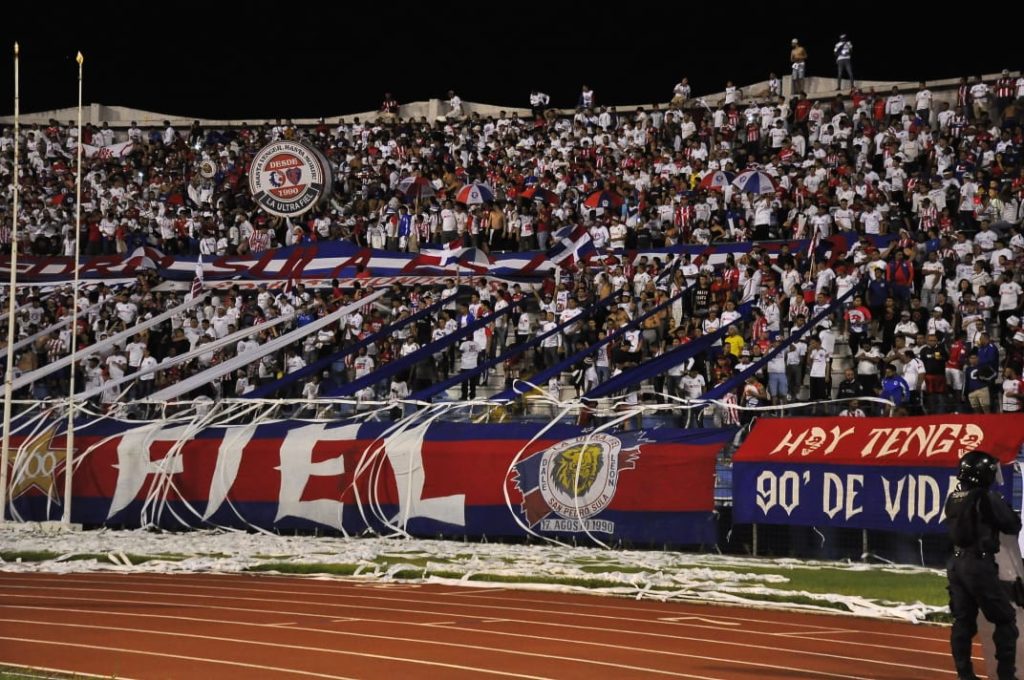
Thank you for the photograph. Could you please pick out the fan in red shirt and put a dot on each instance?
(719, 290)
(759, 328)
(802, 108)
(901, 275)
(878, 109)
(731, 275)
(857, 317)
(955, 366)
(856, 97)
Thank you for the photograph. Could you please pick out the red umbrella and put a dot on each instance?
(416, 188)
(603, 199)
(539, 193)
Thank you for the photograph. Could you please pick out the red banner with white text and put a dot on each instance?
(868, 473)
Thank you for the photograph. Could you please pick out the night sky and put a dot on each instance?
(259, 61)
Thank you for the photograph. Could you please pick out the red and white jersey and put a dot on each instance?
(259, 240)
(1005, 87)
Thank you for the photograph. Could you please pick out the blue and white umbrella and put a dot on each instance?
(475, 194)
(754, 182)
(719, 179)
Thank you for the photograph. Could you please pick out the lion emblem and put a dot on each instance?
(576, 469)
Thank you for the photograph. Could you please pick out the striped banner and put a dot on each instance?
(342, 260)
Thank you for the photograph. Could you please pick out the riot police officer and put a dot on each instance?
(975, 516)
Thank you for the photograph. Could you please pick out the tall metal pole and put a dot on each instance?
(69, 453)
(5, 453)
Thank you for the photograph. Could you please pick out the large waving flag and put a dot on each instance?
(112, 151)
(197, 282)
(571, 246)
(473, 259)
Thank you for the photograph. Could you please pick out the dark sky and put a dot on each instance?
(258, 61)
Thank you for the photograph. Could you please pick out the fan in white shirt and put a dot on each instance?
(126, 311)
(1009, 294)
(135, 353)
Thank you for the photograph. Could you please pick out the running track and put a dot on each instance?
(242, 626)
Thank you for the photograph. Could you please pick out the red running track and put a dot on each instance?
(249, 626)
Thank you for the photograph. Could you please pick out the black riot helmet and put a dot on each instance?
(978, 469)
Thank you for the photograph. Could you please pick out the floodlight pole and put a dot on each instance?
(69, 438)
(5, 452)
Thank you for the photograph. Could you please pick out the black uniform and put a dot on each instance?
(850, 389)
(975, 517)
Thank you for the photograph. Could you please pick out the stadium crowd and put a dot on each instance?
(935, 325)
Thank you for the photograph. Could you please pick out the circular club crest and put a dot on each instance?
(207, 169)
(578, 477)
(287, 178)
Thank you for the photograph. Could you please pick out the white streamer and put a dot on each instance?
(199, 379)
(46, 370)
(187, 356)
(55, 327)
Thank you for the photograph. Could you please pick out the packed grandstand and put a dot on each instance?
(770, 321)
(862, 247)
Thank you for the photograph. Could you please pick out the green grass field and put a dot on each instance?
(909, 593)
(800, 585)
(16, 673)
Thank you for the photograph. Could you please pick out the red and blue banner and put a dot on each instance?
(891, 474)
(425, 478)
(327, 260)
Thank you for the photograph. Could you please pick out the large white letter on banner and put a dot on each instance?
(134, 464)
(229, 457)
(405, 453)
(297, 467)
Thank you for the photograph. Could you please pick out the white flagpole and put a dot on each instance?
(69, 453)
(1020, 538)
(9, 375)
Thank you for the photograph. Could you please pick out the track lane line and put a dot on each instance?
(391, 599)
(345, 652)
(292, 580)
(529, 623)
(120, 650)
(435, 613)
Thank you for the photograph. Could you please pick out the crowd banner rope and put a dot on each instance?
(271, 388)
(233, 364)
(171, 362)
(542, 377)
(737, 380)
(117, 338)
(659, 364)
(408, 361)
(512, 350)
(25, 342)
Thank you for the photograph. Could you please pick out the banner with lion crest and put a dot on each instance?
(425, 478)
